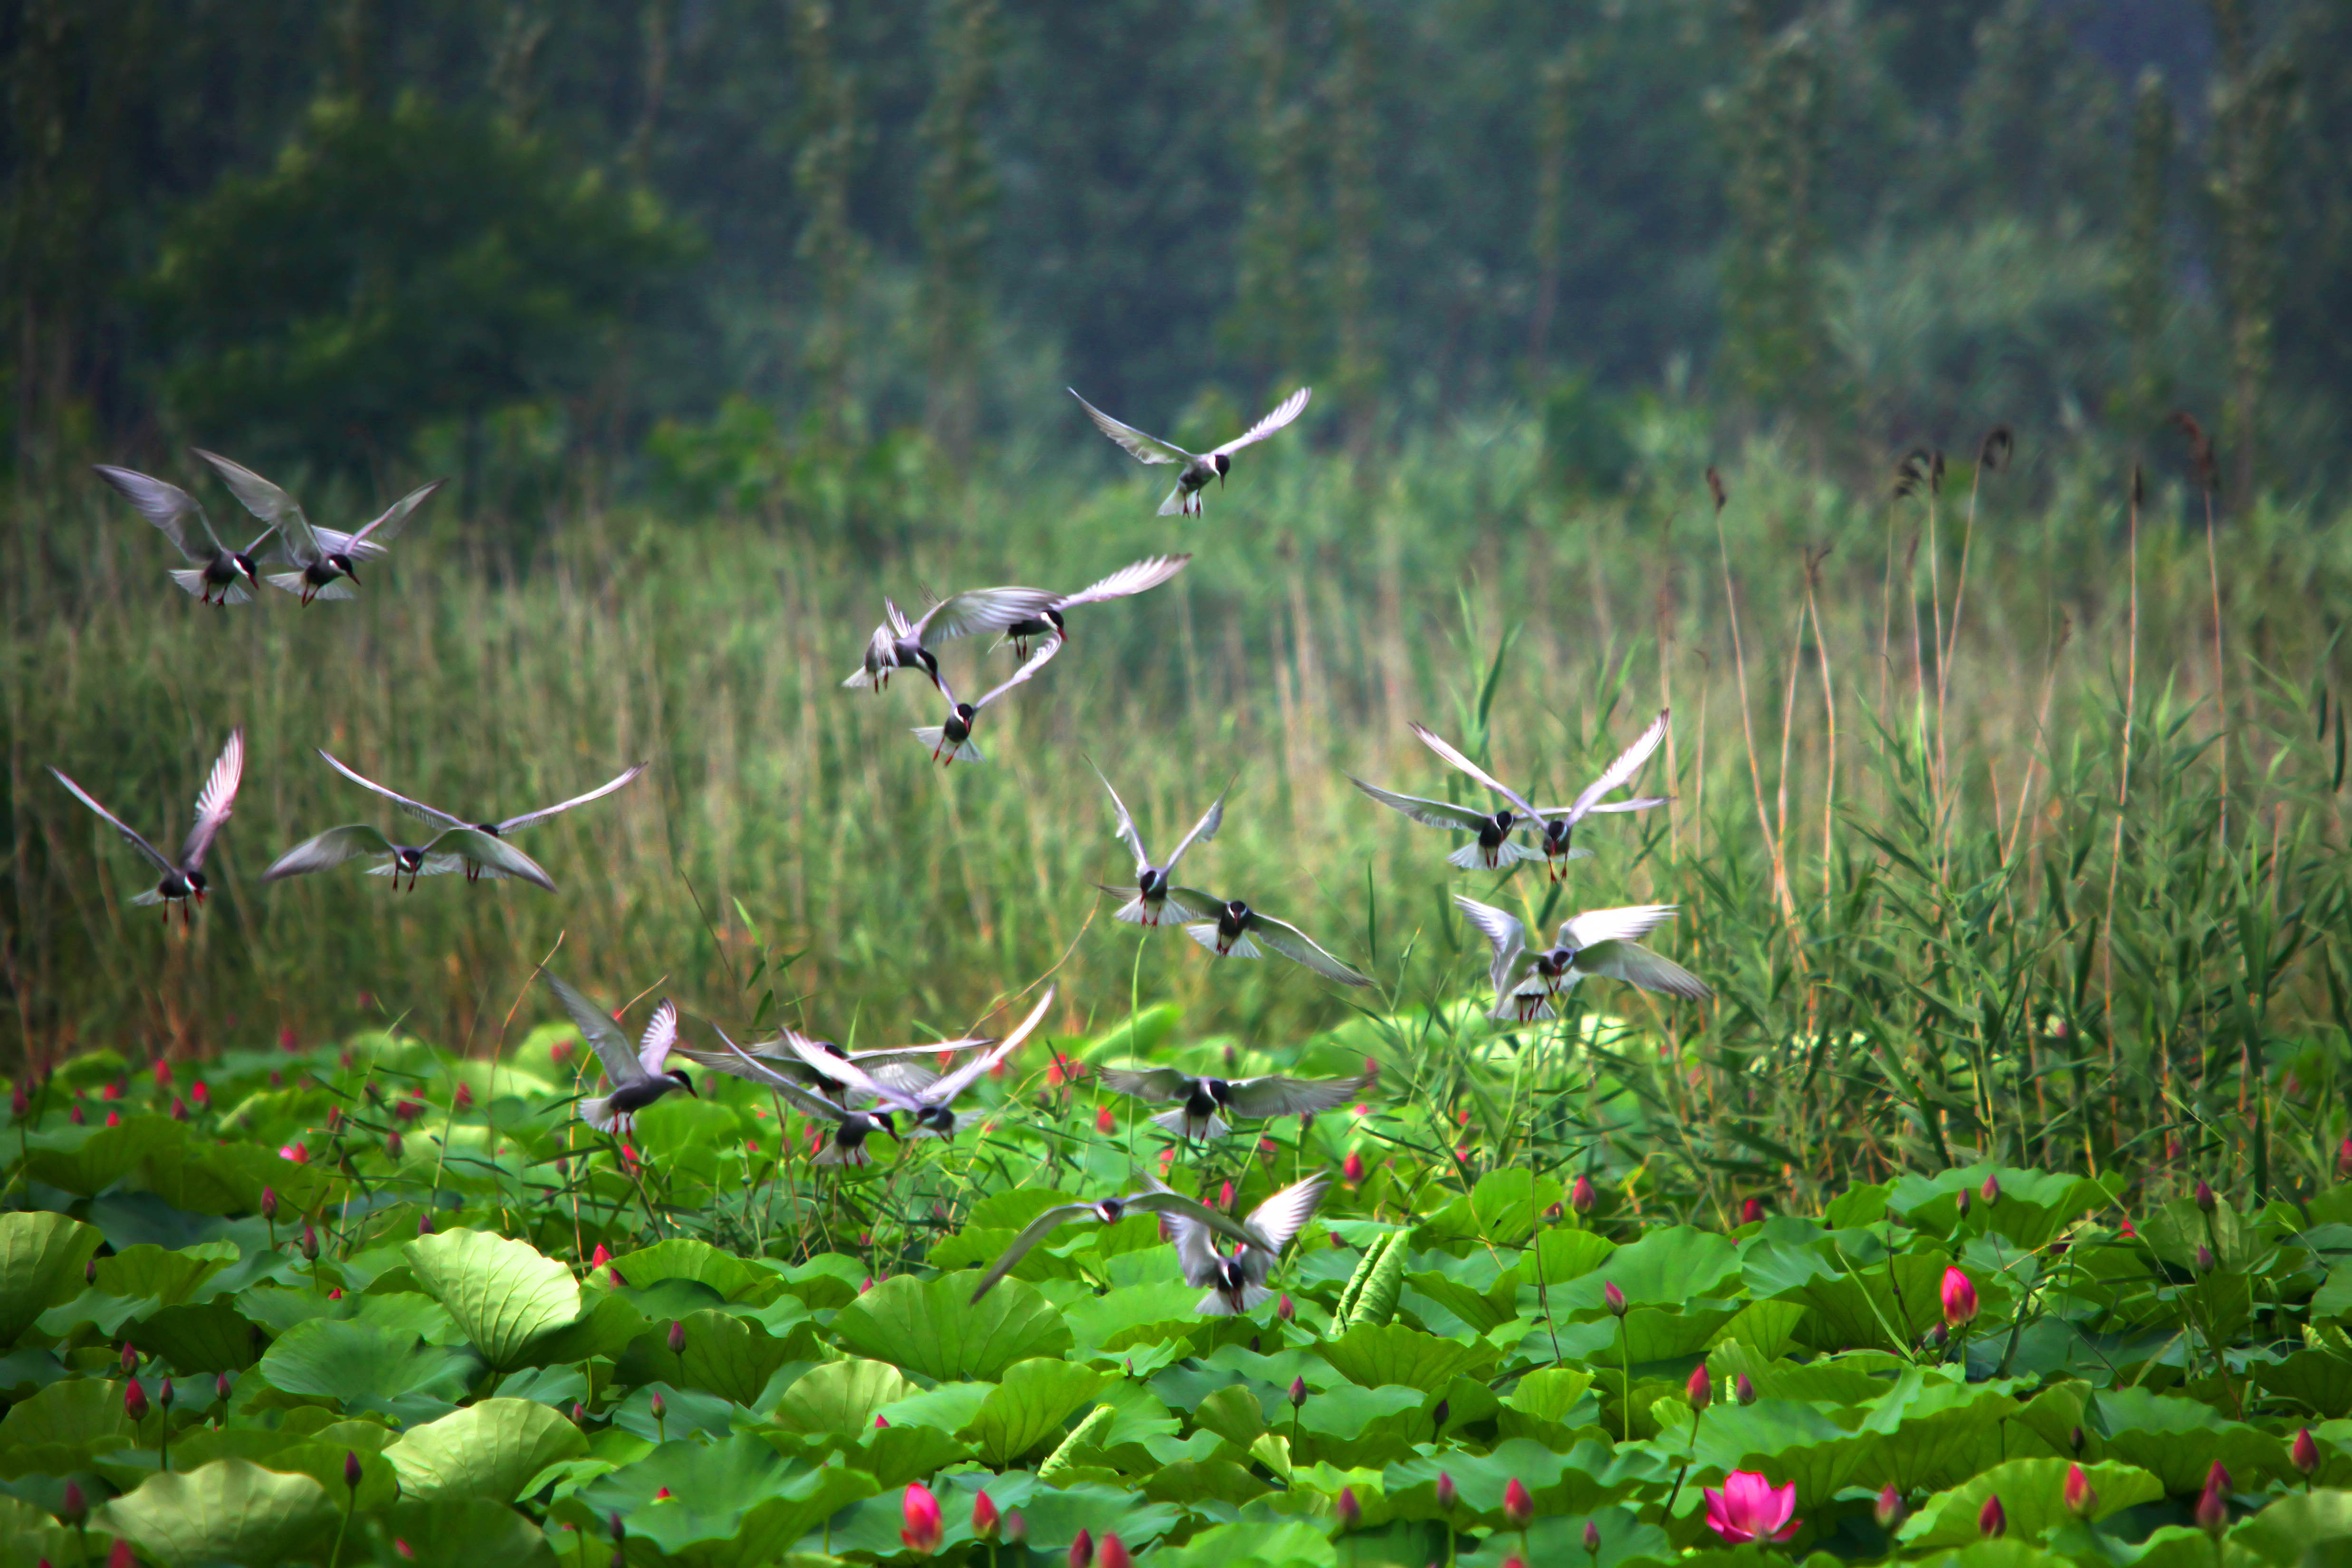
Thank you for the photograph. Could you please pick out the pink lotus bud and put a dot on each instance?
(1700, 1388)
(111, 1091)
(1960, 1199)
(2217, 1478)
(1743, 1390)
(1991, 1520)
(1581, 1198)
(1017, 1529)
(620, 1532)
(179, 1109)
(677, 1337)
(1990, 1191)
(2212, 1513)
(1446, 1490)
(1114, 1552)
(2205, 1198)
(1284, 1309)
(201, 1094)
(134, 1401)
(309, 1243)
(1515, 1561)
(163, 1395)
(662, 1496)
(1298, 1391)
(73, 1505)
(1106, 1122)
(1888, 1509)
(2080, 1497)
(1751, 1210)
(984, 1520)
(465, 1096)
(1518, 1509)
(222, 1388)
(2305, 1453)
(120, 1554)
(658, 1407)
(579, 1414)
(74, 1115)
(130, 1358)
(1612, 1298)
(1593, 1538)
(2204, 1259)
(1960, 1298)
(600, 1257)
(2075, 1440)
(880, 1423)
(425, 1226)
(1351, 1169)
(393, 1145)
(1082, 1551)
(922, 1534)
(1346, 1509)
(2344, 1158)
(1226, 1197)
(351, 1469)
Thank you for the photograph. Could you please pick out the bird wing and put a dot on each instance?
(1507, 936)
(1161, 1200)
(213, 805)
(533, 818)
(1199, 905)
(603, 1035)
(1195, 1253)
(1637, 966)
(370, 540)
(164, 504)
(1295, 946)
(1036, 1231)
(952, 1084)
(1036, 662)
(267, 545)
(1133, 579)
(267, 502)
(1617, 775)
(1142, 447)
(1640, 802)
(1259, 1097)
(1596, 926)
(745, 1066)
(163, 863)
(1290, 408)
(1145, 1083)
(972, 1043)
(1429, 812)
(1126, 825)
(849, 1075)
(1447, 750)
(415, 809)
(661, 1034)
(1285, 1214)
(325, 851)
(492, 854)
(978, 610)
(1203, 830)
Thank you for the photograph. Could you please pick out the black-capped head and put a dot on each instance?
(1236, 911)
(247, 568)
(929, 662)
(882, 1122)
(937, 1119)
(1230, 1278)
(1503, 819)
(196, 885)
(967, 712)
(1054, 619)
(1110, 1210)
(1557, 833)
(829, 1048)
(1219, 1090)
(1225, 465)
(677, 1076)
(1153, 882)
(344, 564)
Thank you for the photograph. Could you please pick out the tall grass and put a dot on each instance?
(1894, 833)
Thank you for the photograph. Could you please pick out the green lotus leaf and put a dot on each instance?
(841, 1396)
(1769, 1328)
(682, 1257)
(897, 1454)
(1479, 1311)
(734, 1503)
(1374, 1356)
(30, 1535)
(41, 1260)
(86, 1161)
(1791, 1441)
(502, 1292)
(932, 1328)
(231, 1510)
(2316, 1380)
(725, 1354)
(2293, 1528)
(1858, 1308)
(337, 1359)
(1095, 1320)
(1560, 1255)
(2180, 1440)
(486, 1450)
(324, 1463)
(1548, 1394)
(1933, 1431)
(2033, 1494)
(1577, 1480)
(78, 1413)
(1667, 1266)
(250, 1169)
(1234, 1414)
(1033, 1401)
(1643, 1335)
(468, 1532)
(603, 1329)
(1624, 1539)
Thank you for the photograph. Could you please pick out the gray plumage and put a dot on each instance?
(453, 850)
(1225, 926)
(1197, 469)
(1155, 1199)
(215, 573)
(1598, 942)
(1207, 1101)
(1146, 901)
(325, 560)
(637, 1074)
(182, 877)
(1237, 1284)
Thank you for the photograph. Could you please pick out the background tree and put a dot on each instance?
(959, 192)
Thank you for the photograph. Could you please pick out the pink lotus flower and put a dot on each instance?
(1992, 1518)
(1351, 1169)
(1518, 1507)
(1960, 1298)
(1749, 1507)
(294, 1151)
(2080, 1497)
(922, 1535)
(1581, 1198)
(983, 1517)
(1114, 1552)
(1105, 1122)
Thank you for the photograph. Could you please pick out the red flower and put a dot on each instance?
(1581, 1198)
(1226, 1197)
(294, 1151)
(1105, 1122)
(1751, 1210)
(465, 1096)
(1352, 1168)
(1992, 1518)
(1082, 1551)
(163, 1074)
(983, 1517)
(922, 1534)
(114, 1119)
(1113, 1553)
(2079, 1497)
(1518, 1507)
(1700, 1388)
(201, 1094)
(134, 1401)
(111, 1091)
(1749, 1507)
(1959, 1299)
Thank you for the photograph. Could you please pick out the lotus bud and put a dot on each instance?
(163, 1395)
(1298, 1391)
(1346, 1509)
(425, 1223)
(620, 1532)
(880, 1423)
(309, 1243)
(179, 1109)
(1593, 1538)
(1226, 1197)
(1700, 1388)
(1351, 1169)
(2205, 1259)
(1991, 1520)
(922, 1534)
(120, 1554)
(221, 1388)
(2079, 1496)
(1580, 1196)
(1612, 1298)
(268, 1203)
(392, 1144)
(1751, 1210)
(351, 1469)
(2217, 1478)
(579, 1414)
(1082, 1550)
(202, 1094)
(1959, 1299)
(1284, 1309)
(114, 1119)
(2305, 1453)
(2212, 1513)
(2344, 1158)
(2077, 1438)
(677, 1337)
(1554, 1215)
(277, 1079)
(1990, 1191)
(74, 1115)
(1939, 1336)
(1743, 1390)
(114, 1091)
(1888, 1509)
(662, 1496)
(658, 1407)
(984, 1520)
(465, 1096)
(1518, 1507)
(1232, 1058)
(1114, 1552)
(1515, 1561)
(130, 1357)
(18, 1104)
(134, 1401)
(1438, 1416)
(73, 1505)
(1017, 1529)
(2205, 1199)
(1447, 1492)
(1961, 1200)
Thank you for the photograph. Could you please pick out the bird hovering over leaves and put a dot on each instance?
(901, 644)
(929, 1108)
(1208, 1100)
(1237, 1284)
(326, 560)
(1156, 1198)
(638, 1074)
(950, 741)
(896, 1066)
(1598, 942)
(439, 818)
(468, 849)
(217, 575)
(1199, 468)
(183, 881)
(1225, 928)
(851, 1127)
(1146, 901)
(1130, 579)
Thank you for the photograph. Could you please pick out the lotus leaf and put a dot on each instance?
(486, 1450)
(362, 1364)
(1031, 1403)
(502, 1292)
(229, 1511)
(2033, 1497)
(931, 1327)
(41, 1259)
(841, 1396)
(468, 1532)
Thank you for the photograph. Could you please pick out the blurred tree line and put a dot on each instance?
(759, 247)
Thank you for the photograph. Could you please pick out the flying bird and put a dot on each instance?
(930, 1108)
(1207, 1101)
(953, 738)
(1237, 1284)
(1598, 942)
(1199, 468)
(326, 560)
(638, 1074)
(1156, 1198)
(896, 1066)
(1146, 901)
(851, 1127)
(1138, 577)
(217, 575)
(438, 817)
(901, 644)
(183, 880)
(456, 848)
(1226, 926)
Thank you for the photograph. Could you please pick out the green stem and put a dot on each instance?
(351, 1499)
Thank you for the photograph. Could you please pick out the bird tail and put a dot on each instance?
(1133, 912)
(1517, 1008)
(149, 897)
(1174, 505)
(934, 737)
(289, 581)
(1215, 1305)
(1185, 1125)
(1205, 933)
(192, 578)
(1471, 857)
(835, 1154)
(599, 1114)
(861, 681)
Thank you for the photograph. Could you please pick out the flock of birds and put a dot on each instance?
(862, 1093)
